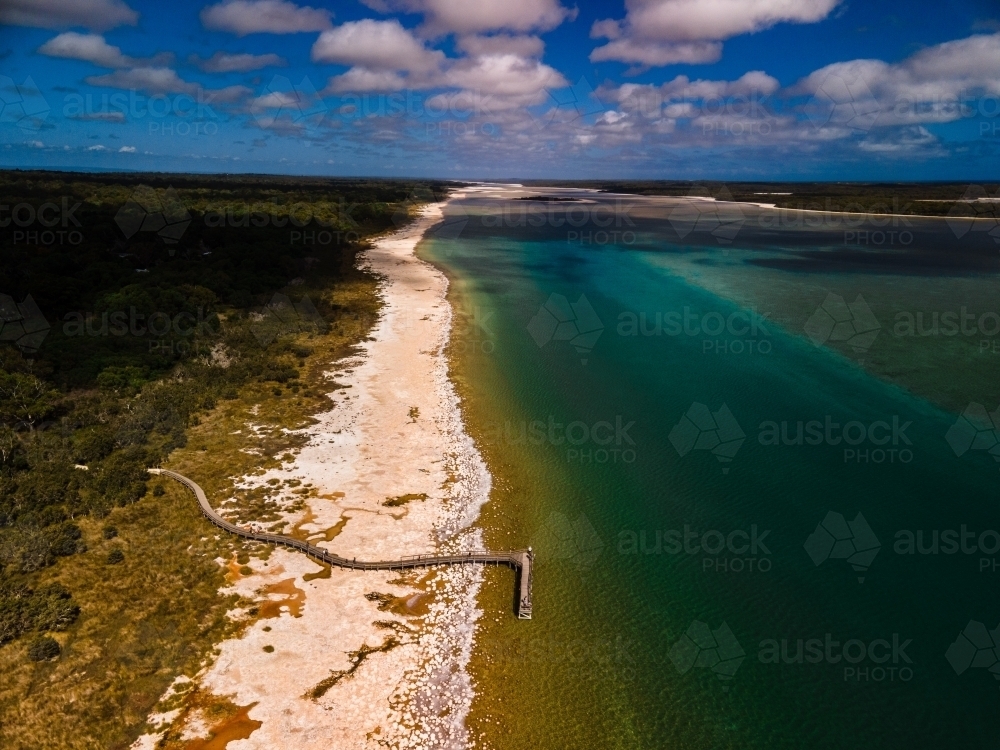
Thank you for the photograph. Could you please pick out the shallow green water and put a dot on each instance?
(595, 464)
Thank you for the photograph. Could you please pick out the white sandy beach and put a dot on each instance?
(395, 431)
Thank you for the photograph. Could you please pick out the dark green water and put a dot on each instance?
(580, 442)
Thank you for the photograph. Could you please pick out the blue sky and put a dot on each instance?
(656, 89)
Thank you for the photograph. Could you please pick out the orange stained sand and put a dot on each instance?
(324, 572)
(331, 533)
(233, 571)
(297, 531)
(237, 727)
(294, 598)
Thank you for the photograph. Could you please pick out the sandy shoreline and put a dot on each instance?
(395, 431)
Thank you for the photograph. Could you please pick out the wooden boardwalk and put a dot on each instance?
(519, 560)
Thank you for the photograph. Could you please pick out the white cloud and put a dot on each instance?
(654, 53)
(362, 79)
(676, 97)
(502, 44)
(166, 81)
(152, 80)
(474, 17)
(35, 144)
(242, 17)
(662, 32)
(126, 150)
(98, 147)
(504, 76)
(93, 48)
(907, 139)
(55, 14)
(375, 45)
(928, 86)
(224, 62)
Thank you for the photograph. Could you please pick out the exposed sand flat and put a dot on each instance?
(396, 431)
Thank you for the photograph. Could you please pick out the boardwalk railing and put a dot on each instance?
(519, 560)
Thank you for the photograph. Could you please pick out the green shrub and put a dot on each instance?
(110, 532)
(23, 609)
(44, 648)
(116, 556)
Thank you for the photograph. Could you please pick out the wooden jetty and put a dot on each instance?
(519, 560)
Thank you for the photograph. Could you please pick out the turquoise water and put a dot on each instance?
(599, 471)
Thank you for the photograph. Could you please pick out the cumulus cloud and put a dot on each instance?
(92, 48)
(931, 85)
(465, 17)
(676, 98)
(242, 17)
(512, 77)
(375, 45)
(225, 62)
(157, 81)
(662, 32)
(98, 147)
(99, 15)
(151, 80)
(362, 79)
(502, 44)
(126, 150)
(651, 53)
(499, 72)
(910, 138)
